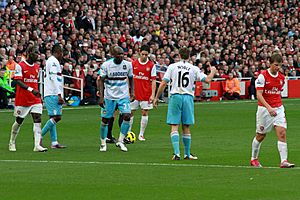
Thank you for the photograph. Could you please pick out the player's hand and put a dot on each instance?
(151, 99)
(213, 70)
(60, 100)
(101, 102)
(98, 93)
(272, 112)
(36, 93)
(132, 97)
(155, 102)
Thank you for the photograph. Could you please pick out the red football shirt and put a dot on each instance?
(143, 74)
(29, 74)
(271, 86)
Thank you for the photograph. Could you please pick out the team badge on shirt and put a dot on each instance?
(124, 67)
(148, 69)
(261, 128)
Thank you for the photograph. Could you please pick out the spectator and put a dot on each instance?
(5, 89)
(232, 88)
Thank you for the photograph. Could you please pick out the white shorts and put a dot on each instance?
(265, 122)
(145, 105)
(22, 111)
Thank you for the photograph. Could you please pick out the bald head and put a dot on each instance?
(118, 54)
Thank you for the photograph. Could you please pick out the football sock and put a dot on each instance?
(144, 122)
(103, 131)
(37, 133)
(175, 142)
(283, 151)
(120, 120)
(255, 148)
(124, 129)
(15, 128)
(110, 127)
(130, 123)
(186, 139)
(50, 123)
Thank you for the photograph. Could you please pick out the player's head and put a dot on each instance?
(144, 52)
(276, 62)
(184, 53)
(118, 54)
(32, 53)
(57, 52)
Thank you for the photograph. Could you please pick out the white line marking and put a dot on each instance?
(132, 163)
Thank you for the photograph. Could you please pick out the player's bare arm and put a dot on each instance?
(131, 88)
(261, 99)
(160, 90)
(60, 100)
(153, 85)
(30, 89)
(209, 78)
(100, 85)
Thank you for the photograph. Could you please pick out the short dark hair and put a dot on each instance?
(184, 53)
(145, 48)
(276, 57)
(56, 49)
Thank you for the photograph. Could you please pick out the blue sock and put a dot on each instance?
(187, 144)
(47, 126)
(175, 142)
(103, 131)
(53, 133)
(125, 127)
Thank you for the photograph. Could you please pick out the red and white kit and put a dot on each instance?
(272, 87)
(143, 74)
(25, 101)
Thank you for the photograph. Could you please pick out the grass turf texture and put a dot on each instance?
(221, 138)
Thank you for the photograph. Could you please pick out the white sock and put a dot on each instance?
(103, 141)
(37, 133)
(131, 122)
(121, 138)
(144, 122)
(255, 148)
(54, 143)
(15, 128)
(283, 151)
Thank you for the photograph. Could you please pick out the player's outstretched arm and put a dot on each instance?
(160, 90)
(209, 78)
(30, 89)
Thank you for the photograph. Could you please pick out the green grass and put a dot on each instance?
(222, 139)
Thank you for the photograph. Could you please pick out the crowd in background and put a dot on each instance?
(236, 36)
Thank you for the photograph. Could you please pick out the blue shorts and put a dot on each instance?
(52, 105)
(181, 109)
(110, 107)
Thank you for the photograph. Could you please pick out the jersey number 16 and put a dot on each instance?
(183, 79)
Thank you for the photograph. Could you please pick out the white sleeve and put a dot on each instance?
(52, 68)
(153, 71)
(103, 70)
(130, 72)
(18, 72)
(167, 76)
(200, 76)
(260, 81)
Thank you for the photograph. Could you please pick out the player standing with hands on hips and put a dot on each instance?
(28, 98)
(270, 112)
(182, 76)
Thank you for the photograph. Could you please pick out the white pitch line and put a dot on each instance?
(132, 163)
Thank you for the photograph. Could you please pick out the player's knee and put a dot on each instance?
(19, 120)
(105, 121)
(260, 137)
(37, 119)
(126, 117)
(282, 135)
(144, 112)
(57, 118)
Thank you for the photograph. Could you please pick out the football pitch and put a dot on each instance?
(221, 138)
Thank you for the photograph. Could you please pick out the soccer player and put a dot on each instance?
(53, 91)
(270, 112)
(144, 76)
(113, 76)
(28, 98)
(181, 103)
